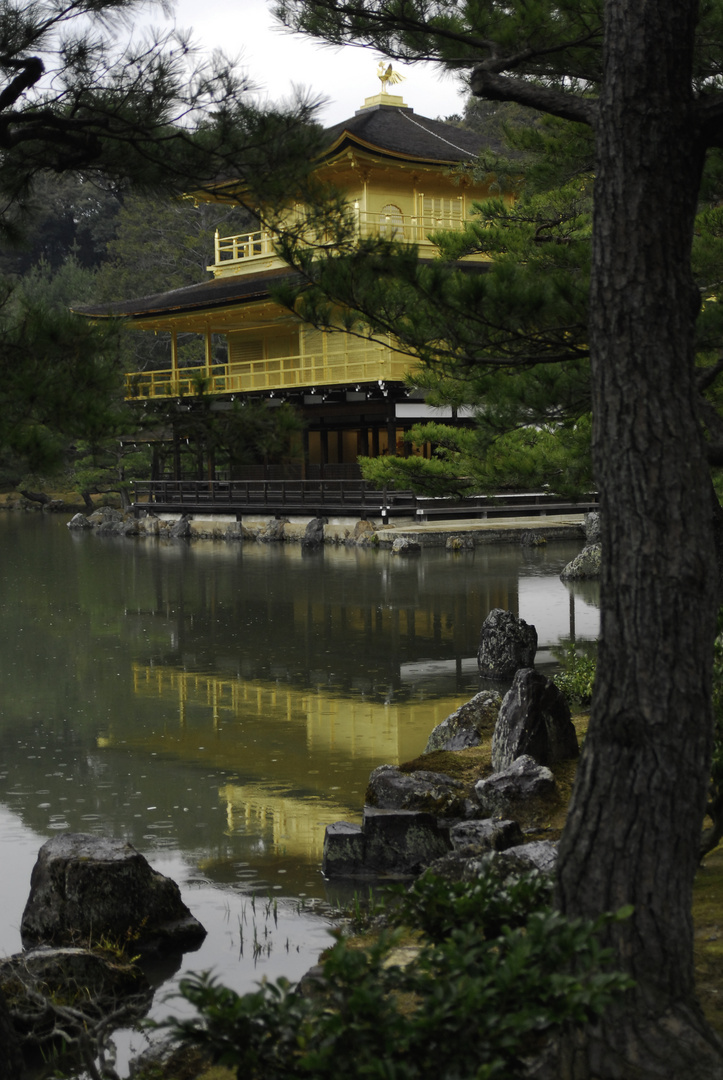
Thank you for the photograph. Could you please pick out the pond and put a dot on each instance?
(219, 704)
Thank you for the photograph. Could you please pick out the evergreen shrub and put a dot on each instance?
(475, 996)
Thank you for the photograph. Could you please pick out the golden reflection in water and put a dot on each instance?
(333, 722)
(296, 825)
(303, 755)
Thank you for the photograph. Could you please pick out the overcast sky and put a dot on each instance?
(276, 61)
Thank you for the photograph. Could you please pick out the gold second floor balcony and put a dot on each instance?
(232, 252)
(344, 362)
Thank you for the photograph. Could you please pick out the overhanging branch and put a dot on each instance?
(489, 84)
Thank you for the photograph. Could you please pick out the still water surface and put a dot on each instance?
(218, 705)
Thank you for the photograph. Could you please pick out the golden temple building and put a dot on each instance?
(404, 179)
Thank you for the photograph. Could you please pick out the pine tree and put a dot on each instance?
(82, 96)
(645, 79)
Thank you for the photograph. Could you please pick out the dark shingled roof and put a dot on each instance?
(398, 132)
(387, 130)
(205, 296)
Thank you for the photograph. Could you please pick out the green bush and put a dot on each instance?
(469, 1004)
(577, 678)
(484, 907)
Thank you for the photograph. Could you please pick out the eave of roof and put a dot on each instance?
(211, 295)
(204, 296)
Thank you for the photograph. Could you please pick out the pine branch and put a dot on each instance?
(486, 82)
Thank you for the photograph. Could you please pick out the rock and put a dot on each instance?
(500, 794)
(537, 855)
(85, 887)
(532, 539)
(507, 643)
(466, 726)
(150, 525)
(314, 532)
(403, 546)
(592, 527)
(473, 837)
(460, 543)
(435, 793)
(584, 565)
(364, 535)
(273, 531)
(238, 531)
(402, 841)
(79, 521)
(166, 1058)
(182, 529)
(93, 982)
(104, 513)
(389, 842)
(507, 866)
(343, 854)
(127, 526)
(534, 719)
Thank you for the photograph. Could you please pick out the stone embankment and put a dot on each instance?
(401, 540)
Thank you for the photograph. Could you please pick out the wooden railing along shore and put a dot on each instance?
(340, 497)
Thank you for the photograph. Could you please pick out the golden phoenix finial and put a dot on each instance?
(387, 75)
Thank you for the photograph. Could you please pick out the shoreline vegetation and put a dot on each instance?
(361, 929)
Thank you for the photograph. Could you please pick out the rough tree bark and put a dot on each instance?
(633, 832)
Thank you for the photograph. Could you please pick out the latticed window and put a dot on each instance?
(441, 213)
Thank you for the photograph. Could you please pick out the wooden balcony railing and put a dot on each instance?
(412, 230)
(359, 362)
(251, 245)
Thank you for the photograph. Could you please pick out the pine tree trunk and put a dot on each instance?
(634, 828)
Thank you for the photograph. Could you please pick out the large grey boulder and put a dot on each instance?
(314, 532)
(506, 644)
(423, 790)
(71, 986)
(477, 848)
(467, 726)
(390, 842)
(534, 719)
(402, 842)
(536, 855)
(485, 835)
(460, 542)
(508, 865)
(105, 514)
(182, 529)
(585, 565)
(87, 887)
(343, 853)
(273, 531)
(404, 546)
(149, 525)
(79, 521)
(502, 793)
(364, 533)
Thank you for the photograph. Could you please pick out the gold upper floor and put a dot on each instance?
(394, 215)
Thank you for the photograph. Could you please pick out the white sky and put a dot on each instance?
(277, 61)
